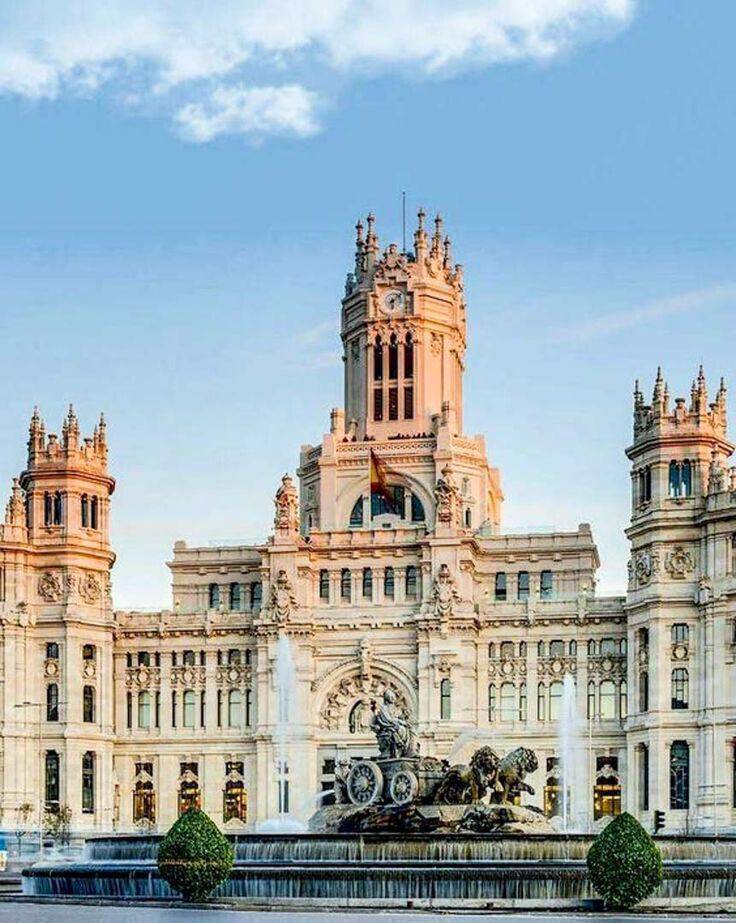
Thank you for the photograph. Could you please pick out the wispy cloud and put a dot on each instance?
(260, 67)
(616, 321)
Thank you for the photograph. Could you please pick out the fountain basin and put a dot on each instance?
(384, 870)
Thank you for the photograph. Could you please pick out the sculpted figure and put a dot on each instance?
(342, 770)
(395, 736)
(511, 772)
(470, 784)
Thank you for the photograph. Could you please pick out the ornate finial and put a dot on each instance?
(658, 386)
(15, 511)
(421, 215)
(448, 253)
(420, 237)
(359, 231)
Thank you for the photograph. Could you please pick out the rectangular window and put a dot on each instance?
(173, 709)
(522, 591)
(367, 583)
(500, 589)
(202, 710)
(408, 402)
(324, 585)
(643, 691)
(88, 783)
(157, 710)
(219, 708)
(378, 404)
(644, 778)
(129, 709)
(545, 584)
(393, 403)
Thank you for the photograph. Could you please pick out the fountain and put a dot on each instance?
(407, 830)
(572, 762)
(285, 672)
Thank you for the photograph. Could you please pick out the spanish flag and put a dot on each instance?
(379, 481)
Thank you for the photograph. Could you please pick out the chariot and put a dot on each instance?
(394, 781)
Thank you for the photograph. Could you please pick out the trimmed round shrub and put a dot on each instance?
(194, 857)
(624, 863)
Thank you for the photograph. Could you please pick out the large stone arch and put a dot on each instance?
(351, 685)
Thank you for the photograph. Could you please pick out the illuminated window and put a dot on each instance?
(679, 776)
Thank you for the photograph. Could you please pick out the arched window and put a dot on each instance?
(573, 648)
(679, 776)
(234, 709)
(417, 509)
(235, 597)
(508, 702)
(188, 658)
(608, 700)
(52, 702)
(89, 652)
(411, 582)
(144, 797)
(680, 633)
(94, 519)
(540, 649)
(367, 583)
(214, 596)
(359, 718)
(58, 508)
(445, 700)
(144, 709)
(88, 704)
(507, 650)
(345, 585)
(541, 702)
(522, 650)
(491, 702)
(591, 648)
(545, 585)
(522, 585)
(393, 358)
(491, 651)
(84, 505)
(468, 517)
(409, 356)
(680, 688)
(555, 700)
(52, 651)
(686, 479)
(388, 583)
(188, 716)
(591, 700)
(609, 647)
(674, 479)
(378, 360)
(256, 595)
(52, 780)
(48, 509)
(522, 702)
(500, 588)
(144, 658)
(607, 789)
(553, 801)
(356, 514)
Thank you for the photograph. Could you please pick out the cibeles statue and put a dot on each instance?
(395, 736)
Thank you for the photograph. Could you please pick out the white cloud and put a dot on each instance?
(251, 66)
(250, 111)
(616, 321)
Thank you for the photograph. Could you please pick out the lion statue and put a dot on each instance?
(511, 772)
(464, 784)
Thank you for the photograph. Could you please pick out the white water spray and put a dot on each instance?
(571, 758)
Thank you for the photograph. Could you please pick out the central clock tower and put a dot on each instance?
(403, 334)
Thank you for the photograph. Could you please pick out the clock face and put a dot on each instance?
(393, 302)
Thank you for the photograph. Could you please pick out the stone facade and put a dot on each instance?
(387, 568)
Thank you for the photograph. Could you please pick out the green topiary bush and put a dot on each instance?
(624, 863)
(194, 857)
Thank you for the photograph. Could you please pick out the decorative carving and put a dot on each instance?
(679, 563)
(444, 592)
(286, 519)
(352, 691)
(435, 345)
(89, 588)
(283, 598)
(717, 475)
(15, 511)
(646, 565)
(447, 498)
(557, 667)
(49, 587)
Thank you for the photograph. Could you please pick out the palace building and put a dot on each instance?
(388, 568)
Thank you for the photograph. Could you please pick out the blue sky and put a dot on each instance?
(176, 219)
